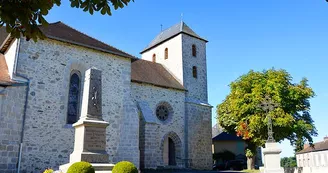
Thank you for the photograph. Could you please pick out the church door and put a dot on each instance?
(172, 160)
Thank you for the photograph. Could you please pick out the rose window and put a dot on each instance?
(162, 112)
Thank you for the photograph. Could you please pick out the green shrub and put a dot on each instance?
(48, 171)
(81, 167)
(125, 167)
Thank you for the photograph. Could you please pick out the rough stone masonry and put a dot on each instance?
(90, 129)
(130, 98)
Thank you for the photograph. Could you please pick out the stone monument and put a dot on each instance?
(90, 130)
(271, 151)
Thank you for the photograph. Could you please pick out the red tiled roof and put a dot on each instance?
(153, 73)
(4, 73)
(3, 34)
(141, 71)
(320, 146)
(62, 32)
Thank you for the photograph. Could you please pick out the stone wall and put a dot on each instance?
(196, 87)
(309, 170)
(313, 161)
(199, 135)
(12, 100)
(150, 156)
(154, 131)
(48, 139)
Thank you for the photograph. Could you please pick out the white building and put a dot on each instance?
(313, 159)
(157, 106)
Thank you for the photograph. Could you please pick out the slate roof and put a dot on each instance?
(4, 73)
(170, 33)
(216, 130)
(224, 136)
(320, 146)
(153, 73)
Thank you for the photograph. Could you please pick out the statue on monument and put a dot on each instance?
(94, 97)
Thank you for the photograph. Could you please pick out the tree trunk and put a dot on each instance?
(251, 163)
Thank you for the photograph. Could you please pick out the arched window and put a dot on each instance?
(154, 57)
(73, 98)
(194, 50)
(166, 53)
(194, 71)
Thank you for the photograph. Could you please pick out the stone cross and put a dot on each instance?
(91, 103)
(268, 105)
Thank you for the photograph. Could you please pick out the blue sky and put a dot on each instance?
(243, 35)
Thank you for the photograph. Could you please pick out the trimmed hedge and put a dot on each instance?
(125, 167)
(81, 167)
(48, 171)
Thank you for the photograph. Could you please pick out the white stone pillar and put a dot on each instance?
(271, 154)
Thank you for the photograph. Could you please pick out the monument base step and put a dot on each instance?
(273, 170)
(99, 167)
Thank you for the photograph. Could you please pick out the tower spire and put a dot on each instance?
(181, 17)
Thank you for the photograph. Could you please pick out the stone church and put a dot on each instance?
(157, 105)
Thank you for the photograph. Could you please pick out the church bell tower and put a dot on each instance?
(183, 53)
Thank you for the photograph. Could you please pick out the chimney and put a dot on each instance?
(306, 145)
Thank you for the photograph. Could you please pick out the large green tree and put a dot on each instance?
(22, 17)
(241, 113)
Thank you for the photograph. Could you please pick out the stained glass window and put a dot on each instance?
(73, 99)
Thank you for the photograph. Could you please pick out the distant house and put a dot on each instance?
(314, 159)
(223, 141)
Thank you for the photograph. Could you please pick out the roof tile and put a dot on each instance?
(153, 73)
(323, 145)
(3, 34)
(62, 32)
(4, 73)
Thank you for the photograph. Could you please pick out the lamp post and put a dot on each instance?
(268, 105)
